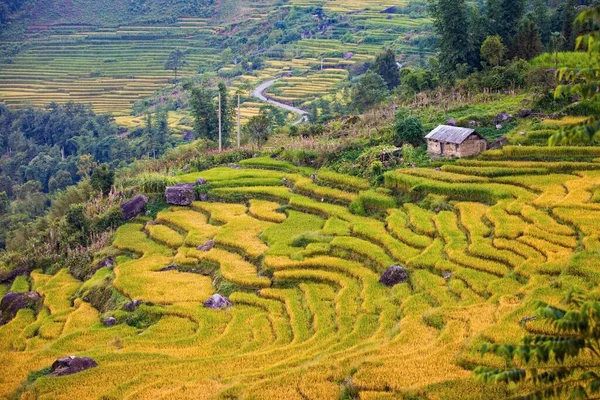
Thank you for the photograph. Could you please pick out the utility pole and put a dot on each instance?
(220, 129)
(239, 117)
(321, 63)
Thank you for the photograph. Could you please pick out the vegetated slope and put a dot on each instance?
(309, 317)
(112, 53)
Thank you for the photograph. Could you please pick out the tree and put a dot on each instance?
(4, 202)
(86, 165)
(545, 359)
(226, 113)
(204, 112)
(176, 61)
(569, 13)
(369, 90)
(258, 129)
(529, 41)
(582, 82)
(451, 23)
(492, 50)
(508, 14)
(103, 179)
(408, 130)
(385, 66)
(542, 20)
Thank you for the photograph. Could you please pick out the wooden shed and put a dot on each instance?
(452, 141)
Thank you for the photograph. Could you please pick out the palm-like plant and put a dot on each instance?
(563, 364)
(582, 82)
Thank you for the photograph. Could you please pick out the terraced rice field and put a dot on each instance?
(303, 89)
(309, 318)
(112, 67)
(109, 68)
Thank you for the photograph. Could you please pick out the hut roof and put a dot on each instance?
(451, 134)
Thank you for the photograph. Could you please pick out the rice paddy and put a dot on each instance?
(113, 64)
(309, 318)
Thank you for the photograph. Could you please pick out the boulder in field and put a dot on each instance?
(206, 246)
(71, 365)
(13, 302)
(394, 275)
(451, 122)
(525, 113)
(134, 207)
(217, 301)
(107, 262)
(502, 117)
(132, 305)
(110, 321)
(180, 195)
(201, 182)
(170, 267)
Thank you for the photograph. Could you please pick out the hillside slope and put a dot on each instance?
(309, 318)
(112, 53)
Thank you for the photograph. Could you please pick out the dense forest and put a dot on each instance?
(45, 151)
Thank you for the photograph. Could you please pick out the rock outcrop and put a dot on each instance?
(180, 195)
(394, 275)
(13, 302)
(134, 207)
(170, 267)
(71, 365)
(217, 301)
(206, 246)
(132, 305)
(110, 321)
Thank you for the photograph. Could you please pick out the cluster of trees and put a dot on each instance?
(382, 76)
(473, 35)
(44, 151)
(7, 7)
(205, 104)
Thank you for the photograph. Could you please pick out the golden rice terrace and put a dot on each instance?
(299, 253)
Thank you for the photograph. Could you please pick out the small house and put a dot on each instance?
(452, 141)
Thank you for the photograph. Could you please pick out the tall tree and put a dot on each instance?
(258, 129)
(492, 50)
(529, 40)
(369, 90)
(450, 18)
(176, 61)
(385, 66)
(541, 16)
(204, 112)
(569, 13)
(226, 113)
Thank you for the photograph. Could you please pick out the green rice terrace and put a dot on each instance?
(109, 56)
(300, 253)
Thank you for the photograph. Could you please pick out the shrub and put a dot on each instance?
(408, 130)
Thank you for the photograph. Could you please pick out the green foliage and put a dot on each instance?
(370, 89)
(529, 40)
(258, 129)
(582, 82)
(386, 67)
(176, 61)
(103, 179)
(408, 130)
(492, 50)
(545, 360)
(451, 23)
(205, 115)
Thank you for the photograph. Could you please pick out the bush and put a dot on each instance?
(408, 130)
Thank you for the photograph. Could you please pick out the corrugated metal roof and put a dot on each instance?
(450, 134)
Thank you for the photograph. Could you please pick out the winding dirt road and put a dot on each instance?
(259, 94)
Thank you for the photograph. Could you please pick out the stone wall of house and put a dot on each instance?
(473, 145)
